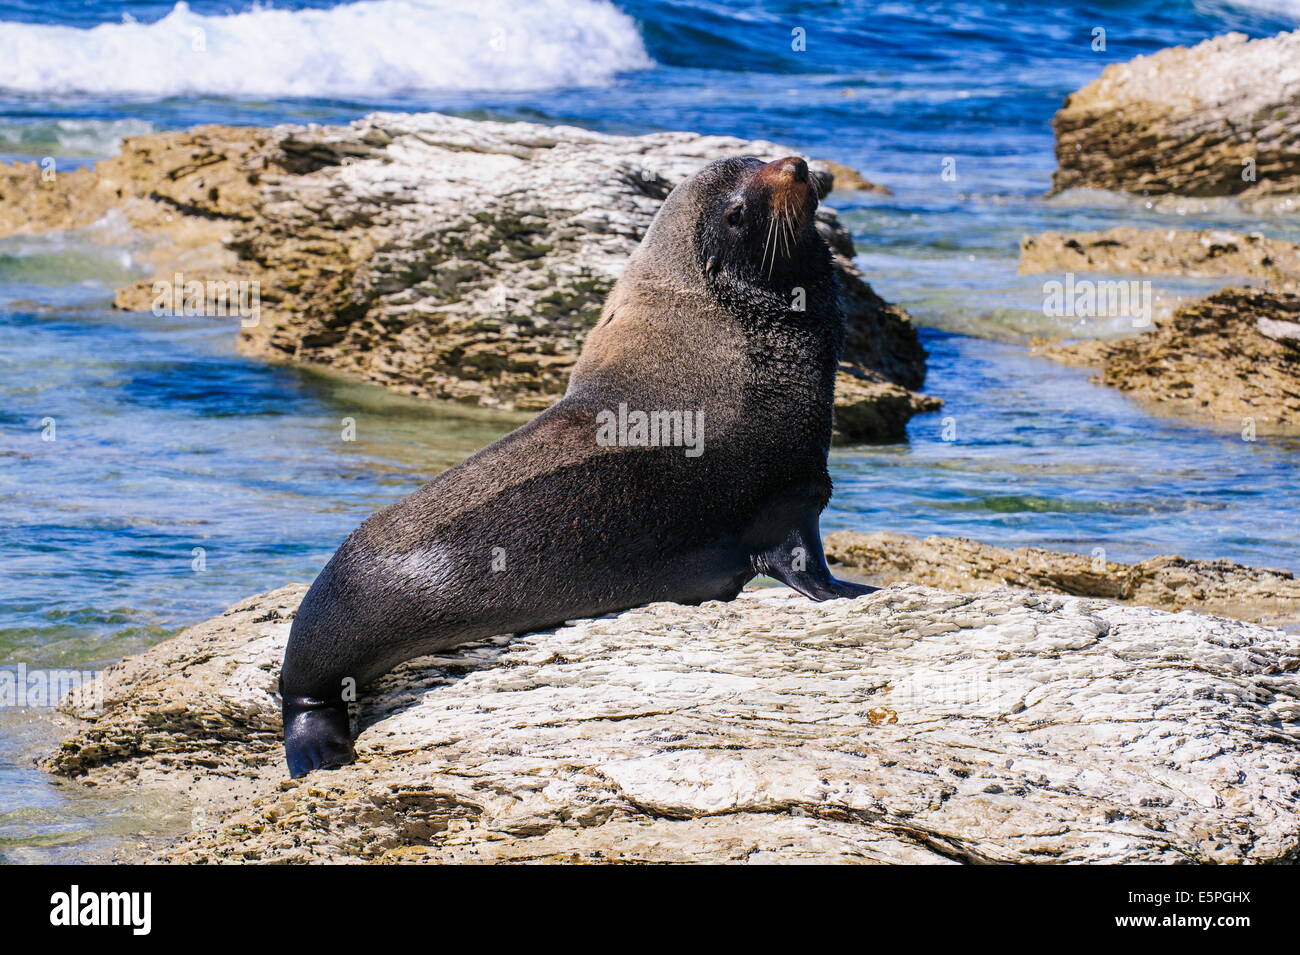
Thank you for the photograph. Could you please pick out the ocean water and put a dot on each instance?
(183, 477)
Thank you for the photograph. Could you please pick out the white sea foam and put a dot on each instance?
(367, 49)
(1281, 9)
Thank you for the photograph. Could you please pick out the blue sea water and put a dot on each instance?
(173, 453)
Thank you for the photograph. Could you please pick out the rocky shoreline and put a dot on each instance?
(464, 260)
(989, 705)
(1216, 121)
(1171, 583)
(1232, 358)
(439, 257)
(1004, 717)
(1126, 251)
(913, 725)
(1221, 118)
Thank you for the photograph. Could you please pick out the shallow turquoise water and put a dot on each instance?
(1044, 458)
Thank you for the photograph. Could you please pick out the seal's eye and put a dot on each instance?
(736, 215)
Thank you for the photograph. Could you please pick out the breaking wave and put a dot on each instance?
(367, 49)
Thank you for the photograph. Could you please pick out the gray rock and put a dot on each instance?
(913, 725)
(1288, 333)
(466, 260)
(439, 257)
(1221, 118)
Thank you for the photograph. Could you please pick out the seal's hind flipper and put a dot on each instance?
(317, 735)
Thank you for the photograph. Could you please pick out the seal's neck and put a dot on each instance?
(754, 366)
(794, 334)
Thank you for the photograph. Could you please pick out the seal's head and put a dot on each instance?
(756, 220)
(732, 273)
(743, 231)
(740, 222)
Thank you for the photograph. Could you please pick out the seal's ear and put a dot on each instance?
(711, 267)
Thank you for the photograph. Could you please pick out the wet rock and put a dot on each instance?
(870, 408)
(913, 725)
(1162, 252)
(850, 180)
(1211, 359)
(1221, 118)
(439, 257)
(184, 191)
(1169, 583)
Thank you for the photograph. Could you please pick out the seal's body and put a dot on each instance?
(725, 331)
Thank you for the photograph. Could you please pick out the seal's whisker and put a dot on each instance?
(776, 244)
(766, 239)
(771, 226)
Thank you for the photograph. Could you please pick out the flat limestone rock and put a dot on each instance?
(1222, 358)
(1208, 252)
(1220, 587)
(439, 257)
(912, 725)
(1221, 118)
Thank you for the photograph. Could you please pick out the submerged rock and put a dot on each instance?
(1168, 583)
(913, 725)
(439, 257)
(1221, 118)
(1227, 357)
(1209, 252)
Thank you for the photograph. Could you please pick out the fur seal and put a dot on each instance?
(723, 334)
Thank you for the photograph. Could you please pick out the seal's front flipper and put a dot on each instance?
(847, 588)
(317, 734)
(800, 563)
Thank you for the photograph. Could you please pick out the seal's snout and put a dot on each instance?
(781, 174)
(789, 187)
(794, 168)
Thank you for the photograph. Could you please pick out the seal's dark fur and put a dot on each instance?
(547, 525)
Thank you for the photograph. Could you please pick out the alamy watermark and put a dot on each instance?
(651, 429)
(1099, 298)
(214, 298)
(75, 907)
(22, 688)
